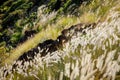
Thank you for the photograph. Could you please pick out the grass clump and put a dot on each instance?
(92, 56)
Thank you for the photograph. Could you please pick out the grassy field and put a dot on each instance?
(93, 56)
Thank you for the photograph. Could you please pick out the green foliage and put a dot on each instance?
(15, 37)
(51, 4)
(17, 17)
(17, 14)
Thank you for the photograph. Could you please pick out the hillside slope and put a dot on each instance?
(89, 54)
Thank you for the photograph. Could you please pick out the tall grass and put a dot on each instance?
(92, 56)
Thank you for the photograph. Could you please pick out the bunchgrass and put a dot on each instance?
(93, 56)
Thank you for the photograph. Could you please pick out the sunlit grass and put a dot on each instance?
(93, 56)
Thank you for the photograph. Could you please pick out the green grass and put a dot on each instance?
(82, 57)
